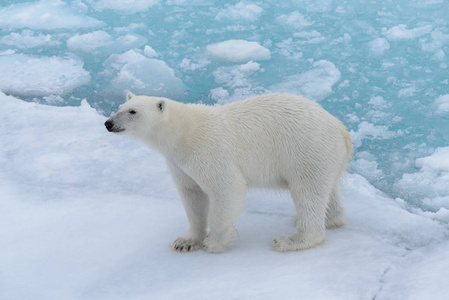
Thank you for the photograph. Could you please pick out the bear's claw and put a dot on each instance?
(185, 245)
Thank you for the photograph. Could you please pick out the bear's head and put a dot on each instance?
(139, 117)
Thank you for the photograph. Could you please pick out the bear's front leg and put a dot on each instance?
(225, 209)
(196, 205)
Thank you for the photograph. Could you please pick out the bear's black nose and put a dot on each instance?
(109, 125)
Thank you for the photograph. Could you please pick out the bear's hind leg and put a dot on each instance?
(310, 223)
(335, 213)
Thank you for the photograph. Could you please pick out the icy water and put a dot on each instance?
(379, 66)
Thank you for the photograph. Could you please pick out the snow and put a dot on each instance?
(25, 75)
(86, 214)
(45, 14)
(238, 51)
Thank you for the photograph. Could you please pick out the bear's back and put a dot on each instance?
(275, 133)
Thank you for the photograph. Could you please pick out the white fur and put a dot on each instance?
(215, 153)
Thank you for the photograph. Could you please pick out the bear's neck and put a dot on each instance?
(178, 136)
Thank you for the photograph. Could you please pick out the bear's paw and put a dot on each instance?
(185, 245)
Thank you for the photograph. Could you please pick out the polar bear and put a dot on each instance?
(215, 153)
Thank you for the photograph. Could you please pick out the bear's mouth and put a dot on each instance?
(117, 130)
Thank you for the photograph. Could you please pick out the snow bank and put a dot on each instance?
(86, 214)
(31, 76)
(238, 51)
(45, 14)
(315, 84)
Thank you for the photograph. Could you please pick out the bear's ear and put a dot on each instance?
(129, 96)
(161, 105)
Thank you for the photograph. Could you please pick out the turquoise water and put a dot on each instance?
(379, 66)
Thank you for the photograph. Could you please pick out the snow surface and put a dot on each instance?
(86, 214)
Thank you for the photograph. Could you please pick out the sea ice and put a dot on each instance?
(135, 72)
(45, 14)
(88, 214)
(315, 84)
(101, 41)
(240, 12)
(126, 7)
(238, 51)
(34, 76)
(27, 39)
(400, 32)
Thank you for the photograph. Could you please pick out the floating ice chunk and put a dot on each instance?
(188, 65)
(219, 94)
(131, 28)
(238, 51)
(407, 92)
(431, 181)
(236, 76)
(149, 52)
(44, 14)
(437, 41)
(30, 76)
(438, 161)
(401, 32)
(372, 132)
(7, 52)
(27, 39)
(364, 163)
(240, 12)
(143, 75)
(89, 41)
(104, 42)
(378, 46)
(309, 37)
(378, 102)
(126, 7)
(315, 84)
(237, 80)
(443, 104)
(294, 20)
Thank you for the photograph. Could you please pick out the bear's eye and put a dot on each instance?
(132, 111)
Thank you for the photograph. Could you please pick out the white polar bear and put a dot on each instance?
(215, 153)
